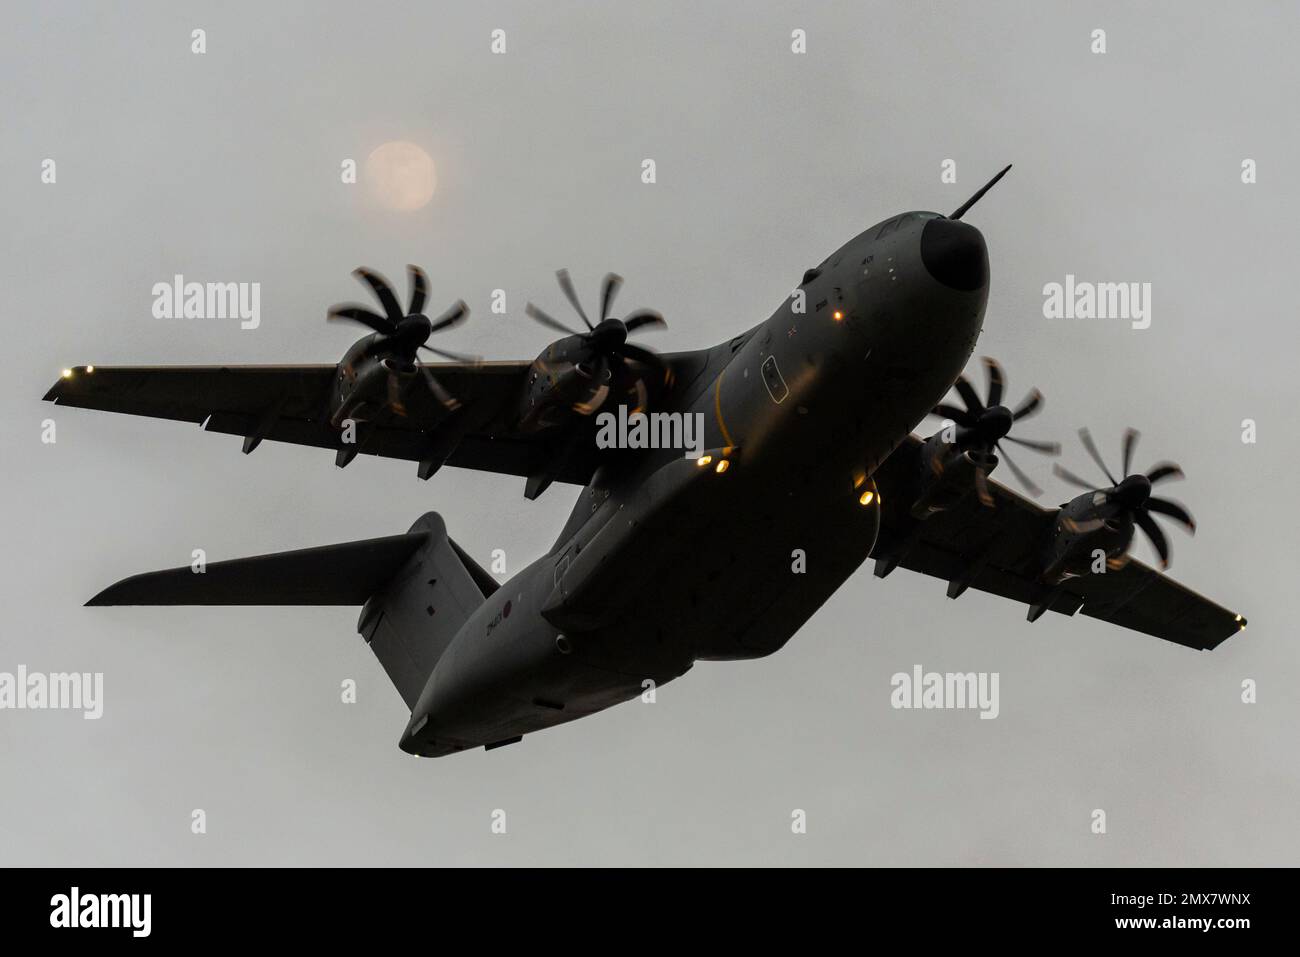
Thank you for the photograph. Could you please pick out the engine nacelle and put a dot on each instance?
(1088, 532)
(946, 475)
(367, 384)
(562, 386)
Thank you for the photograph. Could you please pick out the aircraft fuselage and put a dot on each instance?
(664, 560)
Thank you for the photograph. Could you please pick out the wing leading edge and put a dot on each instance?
(289, 403)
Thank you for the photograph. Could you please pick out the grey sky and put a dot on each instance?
(225, 167)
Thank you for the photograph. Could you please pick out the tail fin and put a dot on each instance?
(412, 620)
(417, 589)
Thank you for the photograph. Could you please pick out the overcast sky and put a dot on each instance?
(225, 167)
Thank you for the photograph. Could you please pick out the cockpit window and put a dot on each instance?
(898, 221)
(889, 227)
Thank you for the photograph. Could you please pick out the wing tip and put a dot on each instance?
(105, 597)
(66, 377)
(121, 592)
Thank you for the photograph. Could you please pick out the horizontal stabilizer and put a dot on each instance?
(346, 574)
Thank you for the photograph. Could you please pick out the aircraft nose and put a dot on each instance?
(954, 253)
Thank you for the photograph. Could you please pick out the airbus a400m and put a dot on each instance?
(809, 444)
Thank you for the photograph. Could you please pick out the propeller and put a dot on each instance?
(1132, 493)
(606, 340)
(983, 425)
(404, 333)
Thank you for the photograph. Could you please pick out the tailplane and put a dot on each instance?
(417, 590)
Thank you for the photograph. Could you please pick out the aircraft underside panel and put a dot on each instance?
(727, 566)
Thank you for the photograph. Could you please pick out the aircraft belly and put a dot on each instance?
(749, 596)
(552, 695)
(730, 567)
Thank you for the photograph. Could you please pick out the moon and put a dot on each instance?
(402, 175)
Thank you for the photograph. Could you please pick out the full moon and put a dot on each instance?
(402, 175)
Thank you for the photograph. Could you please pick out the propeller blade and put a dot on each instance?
(419, 289)
(1049, 448)
(600, 374)
(959, 416)
(1165, 470)
(968, 396)
(629, 351)
(1062, 472)
(997, 381)
(1164, 506)
(597, 400)
(395, 396)
(379, 285)
(1158, 540)
(455, 314)
(1030, 487)
(1130, 443)
(639, 385)
(1031, 404)
(609, 289)
(982, 488)
(439, 393)
(1086, 437)
(378, 347)
(454, 356)
(645, 317)
(548, 321)
(566, 285)
(362, 315)
(1084, 527)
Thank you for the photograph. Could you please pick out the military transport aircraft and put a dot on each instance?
(668, 559)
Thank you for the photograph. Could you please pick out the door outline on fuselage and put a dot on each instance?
(562, 567)
(774, 381)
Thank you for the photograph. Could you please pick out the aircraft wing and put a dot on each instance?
(289, 403)
(999, 550)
